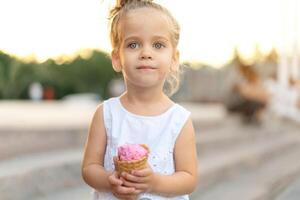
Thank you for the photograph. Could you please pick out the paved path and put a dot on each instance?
(44, 115)
(64, 114)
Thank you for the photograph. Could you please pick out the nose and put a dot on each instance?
(146, 53)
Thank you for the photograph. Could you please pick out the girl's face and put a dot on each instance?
(146, 54)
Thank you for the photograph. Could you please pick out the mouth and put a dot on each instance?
(146, 67)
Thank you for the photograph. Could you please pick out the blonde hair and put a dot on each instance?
(121, 8)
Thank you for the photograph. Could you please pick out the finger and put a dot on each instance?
(142, 172)
(131, 178)
(115, 182)
(136, 186)
(112, 179)
(125, 190)
(128, 183)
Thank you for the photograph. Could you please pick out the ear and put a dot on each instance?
(175, 63)
(115, 58)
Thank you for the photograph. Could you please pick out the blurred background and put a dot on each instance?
(240, 80)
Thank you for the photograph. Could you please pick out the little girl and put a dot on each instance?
(144, 37)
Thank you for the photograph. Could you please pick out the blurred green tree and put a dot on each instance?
(91, 75)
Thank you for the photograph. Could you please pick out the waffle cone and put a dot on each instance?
(128, 166)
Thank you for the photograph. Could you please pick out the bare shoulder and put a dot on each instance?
(97, 126)
(185, 152)
(97, 118)
(187, 133)
(98, 114)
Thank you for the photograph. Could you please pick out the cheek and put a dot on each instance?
(128, 58)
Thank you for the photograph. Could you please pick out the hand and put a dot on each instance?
(119, 190)
(142, 180)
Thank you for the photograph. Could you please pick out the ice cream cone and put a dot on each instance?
(128, 166)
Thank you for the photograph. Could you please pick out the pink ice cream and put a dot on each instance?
(129, 152)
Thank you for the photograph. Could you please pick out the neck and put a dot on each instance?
(145, 96)
(145, 101)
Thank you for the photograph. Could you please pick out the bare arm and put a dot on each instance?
(93, 171)
(183, 181)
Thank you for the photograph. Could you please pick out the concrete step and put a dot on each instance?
(22, 115)
(291, 192)
(260, 182)
(82, 192)
(230, 136)
(217, 165)
(26, 141)
(28, 127)
(208, 115)
(40, 173)
(223, 162)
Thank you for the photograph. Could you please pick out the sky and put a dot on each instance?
(210, 28)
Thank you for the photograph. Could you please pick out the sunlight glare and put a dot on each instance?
(211, 29)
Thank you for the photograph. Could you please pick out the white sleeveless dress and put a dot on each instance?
(158, 132)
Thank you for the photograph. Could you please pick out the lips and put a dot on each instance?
(145, 67)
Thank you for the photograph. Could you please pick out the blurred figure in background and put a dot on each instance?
(35, 91)
(246, 94)
(251, 96)
(49, 93)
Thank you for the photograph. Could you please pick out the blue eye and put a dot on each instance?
(133, 45)
(158, 45)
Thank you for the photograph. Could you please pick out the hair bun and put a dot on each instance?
(121, 3)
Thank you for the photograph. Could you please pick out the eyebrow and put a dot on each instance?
(155, 38)
(131, 38)
(161, 37)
